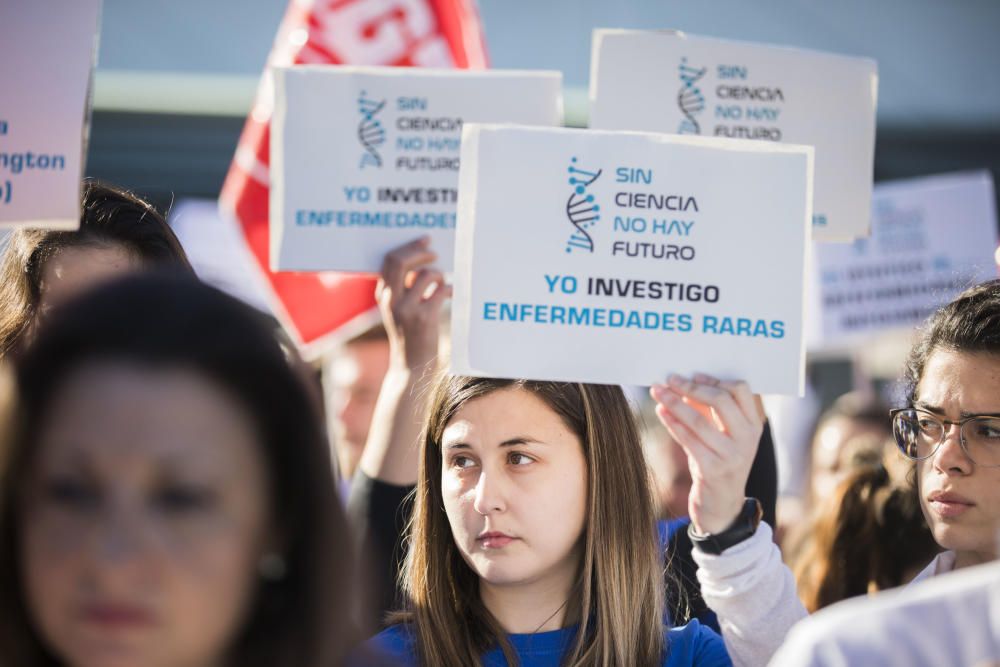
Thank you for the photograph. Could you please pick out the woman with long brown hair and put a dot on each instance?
(869, 535)
(533, 539)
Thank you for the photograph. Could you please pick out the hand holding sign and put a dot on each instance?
(718, 424)
(410, 295)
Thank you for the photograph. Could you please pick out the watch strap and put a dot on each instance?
(741, 529)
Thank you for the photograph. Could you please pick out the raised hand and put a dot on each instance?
(718, 424)
(410, 296)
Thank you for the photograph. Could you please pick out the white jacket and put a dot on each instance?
(753, 594)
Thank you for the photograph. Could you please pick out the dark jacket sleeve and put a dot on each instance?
(763, 481)
(378, 514)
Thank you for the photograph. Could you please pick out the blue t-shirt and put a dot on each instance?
(691, 645)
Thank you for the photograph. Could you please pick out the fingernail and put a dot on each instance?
(656, 390)
(677, 380)
(668, 397)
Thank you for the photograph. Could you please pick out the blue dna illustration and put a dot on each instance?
(689, 98)
(581, 210)
(371, 134)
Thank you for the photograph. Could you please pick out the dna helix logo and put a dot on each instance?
(371, 134)
(581, 211)
(690, 99)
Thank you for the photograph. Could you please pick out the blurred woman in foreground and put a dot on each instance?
(166, 494)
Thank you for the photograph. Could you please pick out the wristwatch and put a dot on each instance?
(742, 528)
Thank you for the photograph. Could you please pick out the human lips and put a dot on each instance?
(948, 504)
(114, 615)
(494, 539)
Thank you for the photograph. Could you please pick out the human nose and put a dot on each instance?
(119, 535)
(950, 455)
(490, 493)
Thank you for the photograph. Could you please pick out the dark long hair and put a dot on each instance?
(620, 590)
(110, 217)
(160, 320)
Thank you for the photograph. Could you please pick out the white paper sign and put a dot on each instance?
(619, 257)
(683, 84)
(48, 55)
(931, 238)
(364, 159)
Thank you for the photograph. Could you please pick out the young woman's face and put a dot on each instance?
(514, 480)
(967, 519)
(145, 516)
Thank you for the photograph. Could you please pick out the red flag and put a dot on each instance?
(319, 309)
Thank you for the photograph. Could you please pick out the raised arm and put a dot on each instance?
(411, 294)
(719, 424)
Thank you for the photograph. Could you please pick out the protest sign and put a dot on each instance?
(620, 257)
(365, 159)
(931, 238)
(684, 84)
(44, 109)
(319, 310)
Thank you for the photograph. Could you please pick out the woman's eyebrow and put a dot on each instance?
(521, 440)
(929, 408)
(963, 414)
(75, 456)
(510, 442)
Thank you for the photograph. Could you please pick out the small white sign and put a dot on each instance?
(672, 82)
(48, 56)
(620, 257)
(364, 159)
(931, 238)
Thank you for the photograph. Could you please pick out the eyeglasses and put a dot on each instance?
(919, 434)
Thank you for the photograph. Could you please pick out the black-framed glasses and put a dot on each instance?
(919, 433)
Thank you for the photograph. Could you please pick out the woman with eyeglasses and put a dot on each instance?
(951, 428)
